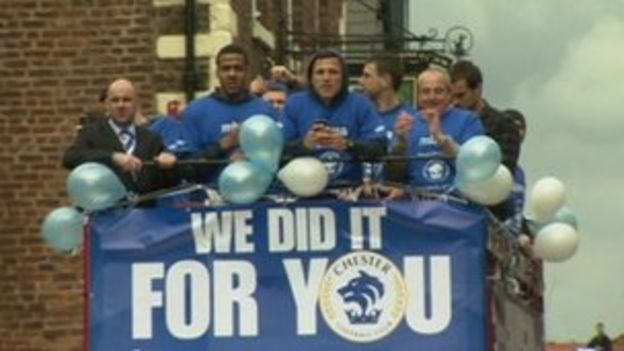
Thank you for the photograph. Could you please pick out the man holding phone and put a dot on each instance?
(326, 120)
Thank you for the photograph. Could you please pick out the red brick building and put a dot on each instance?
(56, 56)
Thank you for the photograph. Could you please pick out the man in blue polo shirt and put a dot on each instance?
(433, 135)
(213, 122)
(328, 121)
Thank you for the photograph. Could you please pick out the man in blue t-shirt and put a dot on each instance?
(212, 122)
(381, 80)
(433, 136)
(326, 120)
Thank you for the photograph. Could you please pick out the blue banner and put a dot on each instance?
(306, 276)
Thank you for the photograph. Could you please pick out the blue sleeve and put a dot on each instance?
(473, 127)
(289, 125)
(371, 125)
(194, 123)
(191, 127)
(173, 135)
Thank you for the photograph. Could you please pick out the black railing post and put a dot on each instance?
(190, 28)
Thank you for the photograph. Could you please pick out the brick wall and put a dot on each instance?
(56, 57)
(316, 16)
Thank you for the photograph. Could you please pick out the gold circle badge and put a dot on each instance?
(363, 296)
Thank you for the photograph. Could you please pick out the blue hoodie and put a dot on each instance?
(208, 119)
(351, 114)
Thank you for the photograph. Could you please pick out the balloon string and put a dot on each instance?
(383, 159)
(413, 193)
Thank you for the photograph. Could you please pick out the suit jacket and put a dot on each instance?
(98, 141)
(503, 130)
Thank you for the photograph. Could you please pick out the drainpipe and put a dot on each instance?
(190, 28)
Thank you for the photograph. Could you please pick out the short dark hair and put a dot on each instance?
(390, 65)
(277, 86)
(467, 71)
(516, 116)
(232, 49)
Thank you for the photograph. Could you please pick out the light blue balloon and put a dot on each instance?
(563, 215)
(262, 141)
(477, 160)
(93, 186)
(62, 229)
(566, 215)
(244, 182)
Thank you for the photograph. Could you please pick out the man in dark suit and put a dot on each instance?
(467, 90)
(121, 145)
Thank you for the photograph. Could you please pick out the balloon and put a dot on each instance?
(94, 186)
(262, 141)
(243, 182)
(566, 215)
(478, 159)
(547, 196)
(304, 176)
(556, 242)
(62, 228)
(490, 191)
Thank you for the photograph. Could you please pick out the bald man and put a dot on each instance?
(434, 134)
(121, 145)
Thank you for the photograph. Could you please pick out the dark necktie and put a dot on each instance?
(127, 140)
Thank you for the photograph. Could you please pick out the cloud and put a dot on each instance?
(586, 90)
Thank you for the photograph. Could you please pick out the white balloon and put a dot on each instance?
(547, 196)
(556, 242)
(304, 176)
(491, 191)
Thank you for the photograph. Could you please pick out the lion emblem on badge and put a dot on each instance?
(363, 292)
(333, 163)
(363, 296)
(436, 170)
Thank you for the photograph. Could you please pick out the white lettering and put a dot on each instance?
(281, 229)
(189, 302)
(322, 229)
(438, 317)
(370, 218)
(144, 298)
(305, 293)
(182, 277)
(230, 291)
(219, 231)
(301, 229)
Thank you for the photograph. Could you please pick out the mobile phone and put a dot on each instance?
(320, 124)
(321, 121)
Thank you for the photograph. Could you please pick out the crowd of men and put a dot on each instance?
(350, 131)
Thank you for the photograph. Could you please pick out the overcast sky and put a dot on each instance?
(561, 63)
